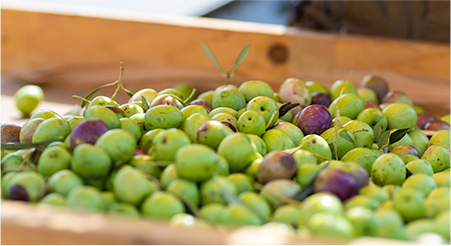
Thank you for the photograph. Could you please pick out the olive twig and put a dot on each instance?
(81, 98)
(337, 116)
(119, 81)
(360, 130)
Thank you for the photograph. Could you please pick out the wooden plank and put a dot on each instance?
(62, 43)
(415, 58)
(84, 51)
(421, 70)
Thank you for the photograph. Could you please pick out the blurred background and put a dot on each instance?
(270, 12)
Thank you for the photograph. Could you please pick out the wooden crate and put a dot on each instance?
(72, 53)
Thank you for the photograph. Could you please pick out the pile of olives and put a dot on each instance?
(305, 161)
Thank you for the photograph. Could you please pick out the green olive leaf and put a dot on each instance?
(244, 52)
(129, 93)
(89, 96)
(271, 120)
(377, 130)
(383, 138)
(304, 193)
(211, 56)
(191, 96)
(180, 100)
(18, 146)
(337, 115)
(286, 107)
(227, 77)
(146, 105)
(398, 134)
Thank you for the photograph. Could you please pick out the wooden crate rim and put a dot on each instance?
(200, 22)
(168, 19)
(192, 21)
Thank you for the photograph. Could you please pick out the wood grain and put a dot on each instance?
(84, 51)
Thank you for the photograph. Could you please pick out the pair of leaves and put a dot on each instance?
(381, 137)
(244, 52)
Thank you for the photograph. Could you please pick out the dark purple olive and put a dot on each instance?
(423, 118)
(337, 182)
(321, 99)
(19, 193)
(87, 131)
(375, 83)
(314, 119)
(437, 125)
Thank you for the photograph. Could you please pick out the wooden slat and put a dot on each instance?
(60, 43)
(84, 51)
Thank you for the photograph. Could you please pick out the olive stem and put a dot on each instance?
(227, 78)
(81, 98)
(360, 130)
(337, 115)
(119, 81)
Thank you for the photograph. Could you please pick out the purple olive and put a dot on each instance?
(10, 132)
(337, 182)
(321, 99)
(437, 125)
(277, 165)
(314, 119)
(423, 118)
(87, 131)
(375, 83)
